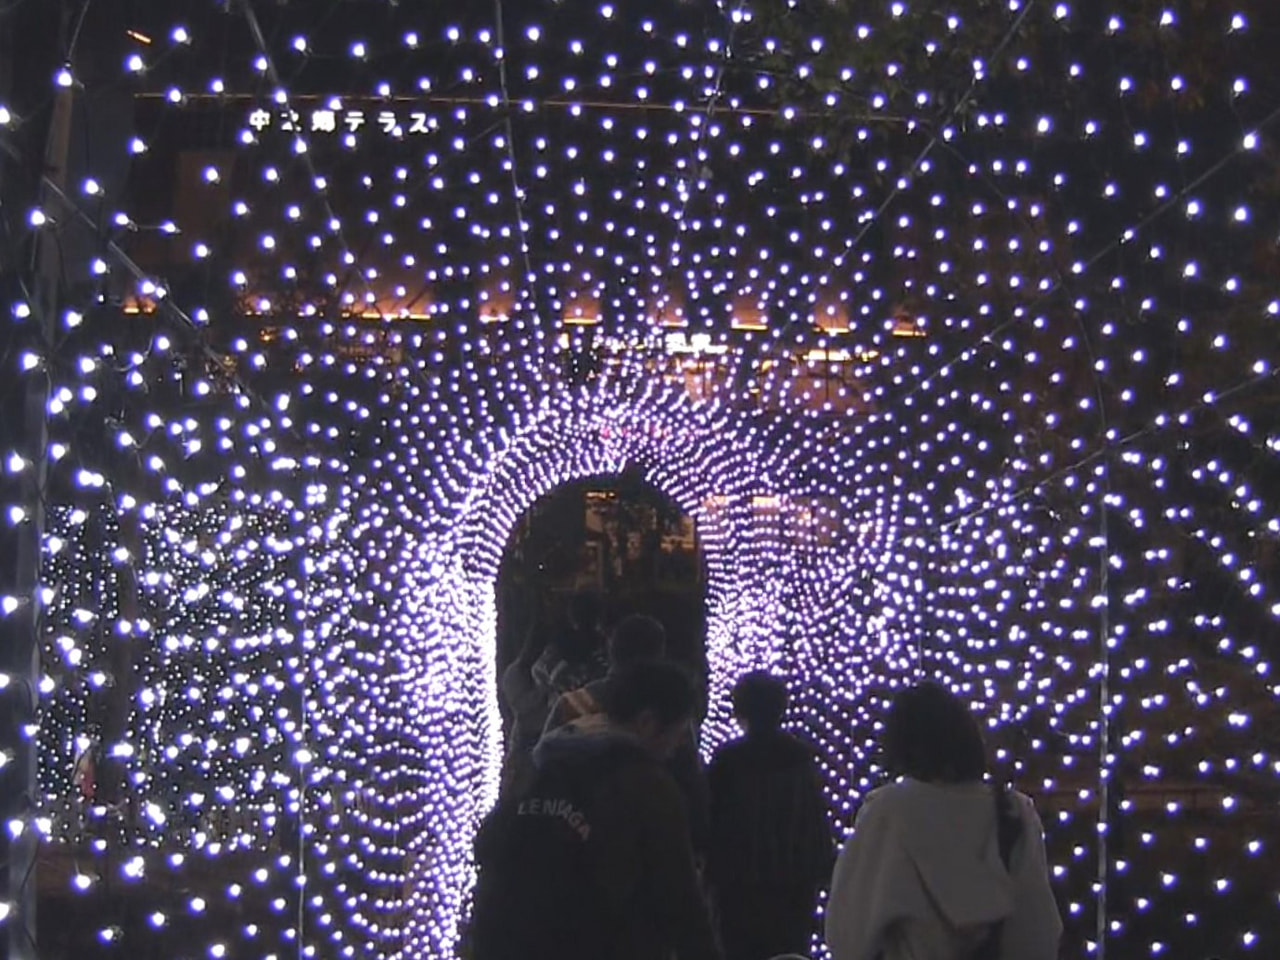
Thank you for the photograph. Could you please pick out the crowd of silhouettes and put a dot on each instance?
(612, 841)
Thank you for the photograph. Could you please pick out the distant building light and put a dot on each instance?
(828, 356)
(907, 328)
(698, 343)
(832, 318)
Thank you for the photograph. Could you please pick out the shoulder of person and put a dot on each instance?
(1025, 807)
(883, 803)
(889, 792)
(641, 791)
(644, 777)
(729, 751)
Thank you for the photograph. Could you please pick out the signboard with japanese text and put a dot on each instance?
(331, 121)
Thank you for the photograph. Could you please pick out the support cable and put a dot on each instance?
(517, 193)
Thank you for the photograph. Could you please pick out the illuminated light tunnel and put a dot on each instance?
(773, 584)
(955, 331)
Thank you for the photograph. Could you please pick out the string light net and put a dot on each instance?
(954, 329)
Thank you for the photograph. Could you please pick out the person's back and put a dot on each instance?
(923, 878)
(768, 817)
(593, 860)
(941, 866)
(770, 842)
(538, 896)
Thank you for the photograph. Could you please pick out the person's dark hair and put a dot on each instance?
(636, 639)
(760, 699)
(930, 735)
(651, 685)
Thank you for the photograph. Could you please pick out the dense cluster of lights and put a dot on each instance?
(955, 331)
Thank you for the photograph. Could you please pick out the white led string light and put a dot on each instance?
(320, 532)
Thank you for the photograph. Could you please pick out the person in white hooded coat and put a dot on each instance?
(923, 877)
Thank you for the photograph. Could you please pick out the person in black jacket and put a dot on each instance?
(593, 860)
(771, 847)
(640, 639)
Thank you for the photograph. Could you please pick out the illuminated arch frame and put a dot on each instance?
(692, 452)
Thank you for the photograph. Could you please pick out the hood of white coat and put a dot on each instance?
(949, 833)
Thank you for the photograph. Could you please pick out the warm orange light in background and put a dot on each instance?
(904, 326)
(497, 304)
(749, 314)
(831, 315)
(666, 310)
(582, 310)
(402, 314)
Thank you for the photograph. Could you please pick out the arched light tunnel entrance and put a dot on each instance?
(764, 582)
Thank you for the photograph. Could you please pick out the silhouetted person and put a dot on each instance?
(638, 639)
(941, 866)
(593, 861)
(635, 639)
(528, 703)
(575, 655)
(771, 846)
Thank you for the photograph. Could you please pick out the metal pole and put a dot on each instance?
(1105, 761)
(22, 629)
